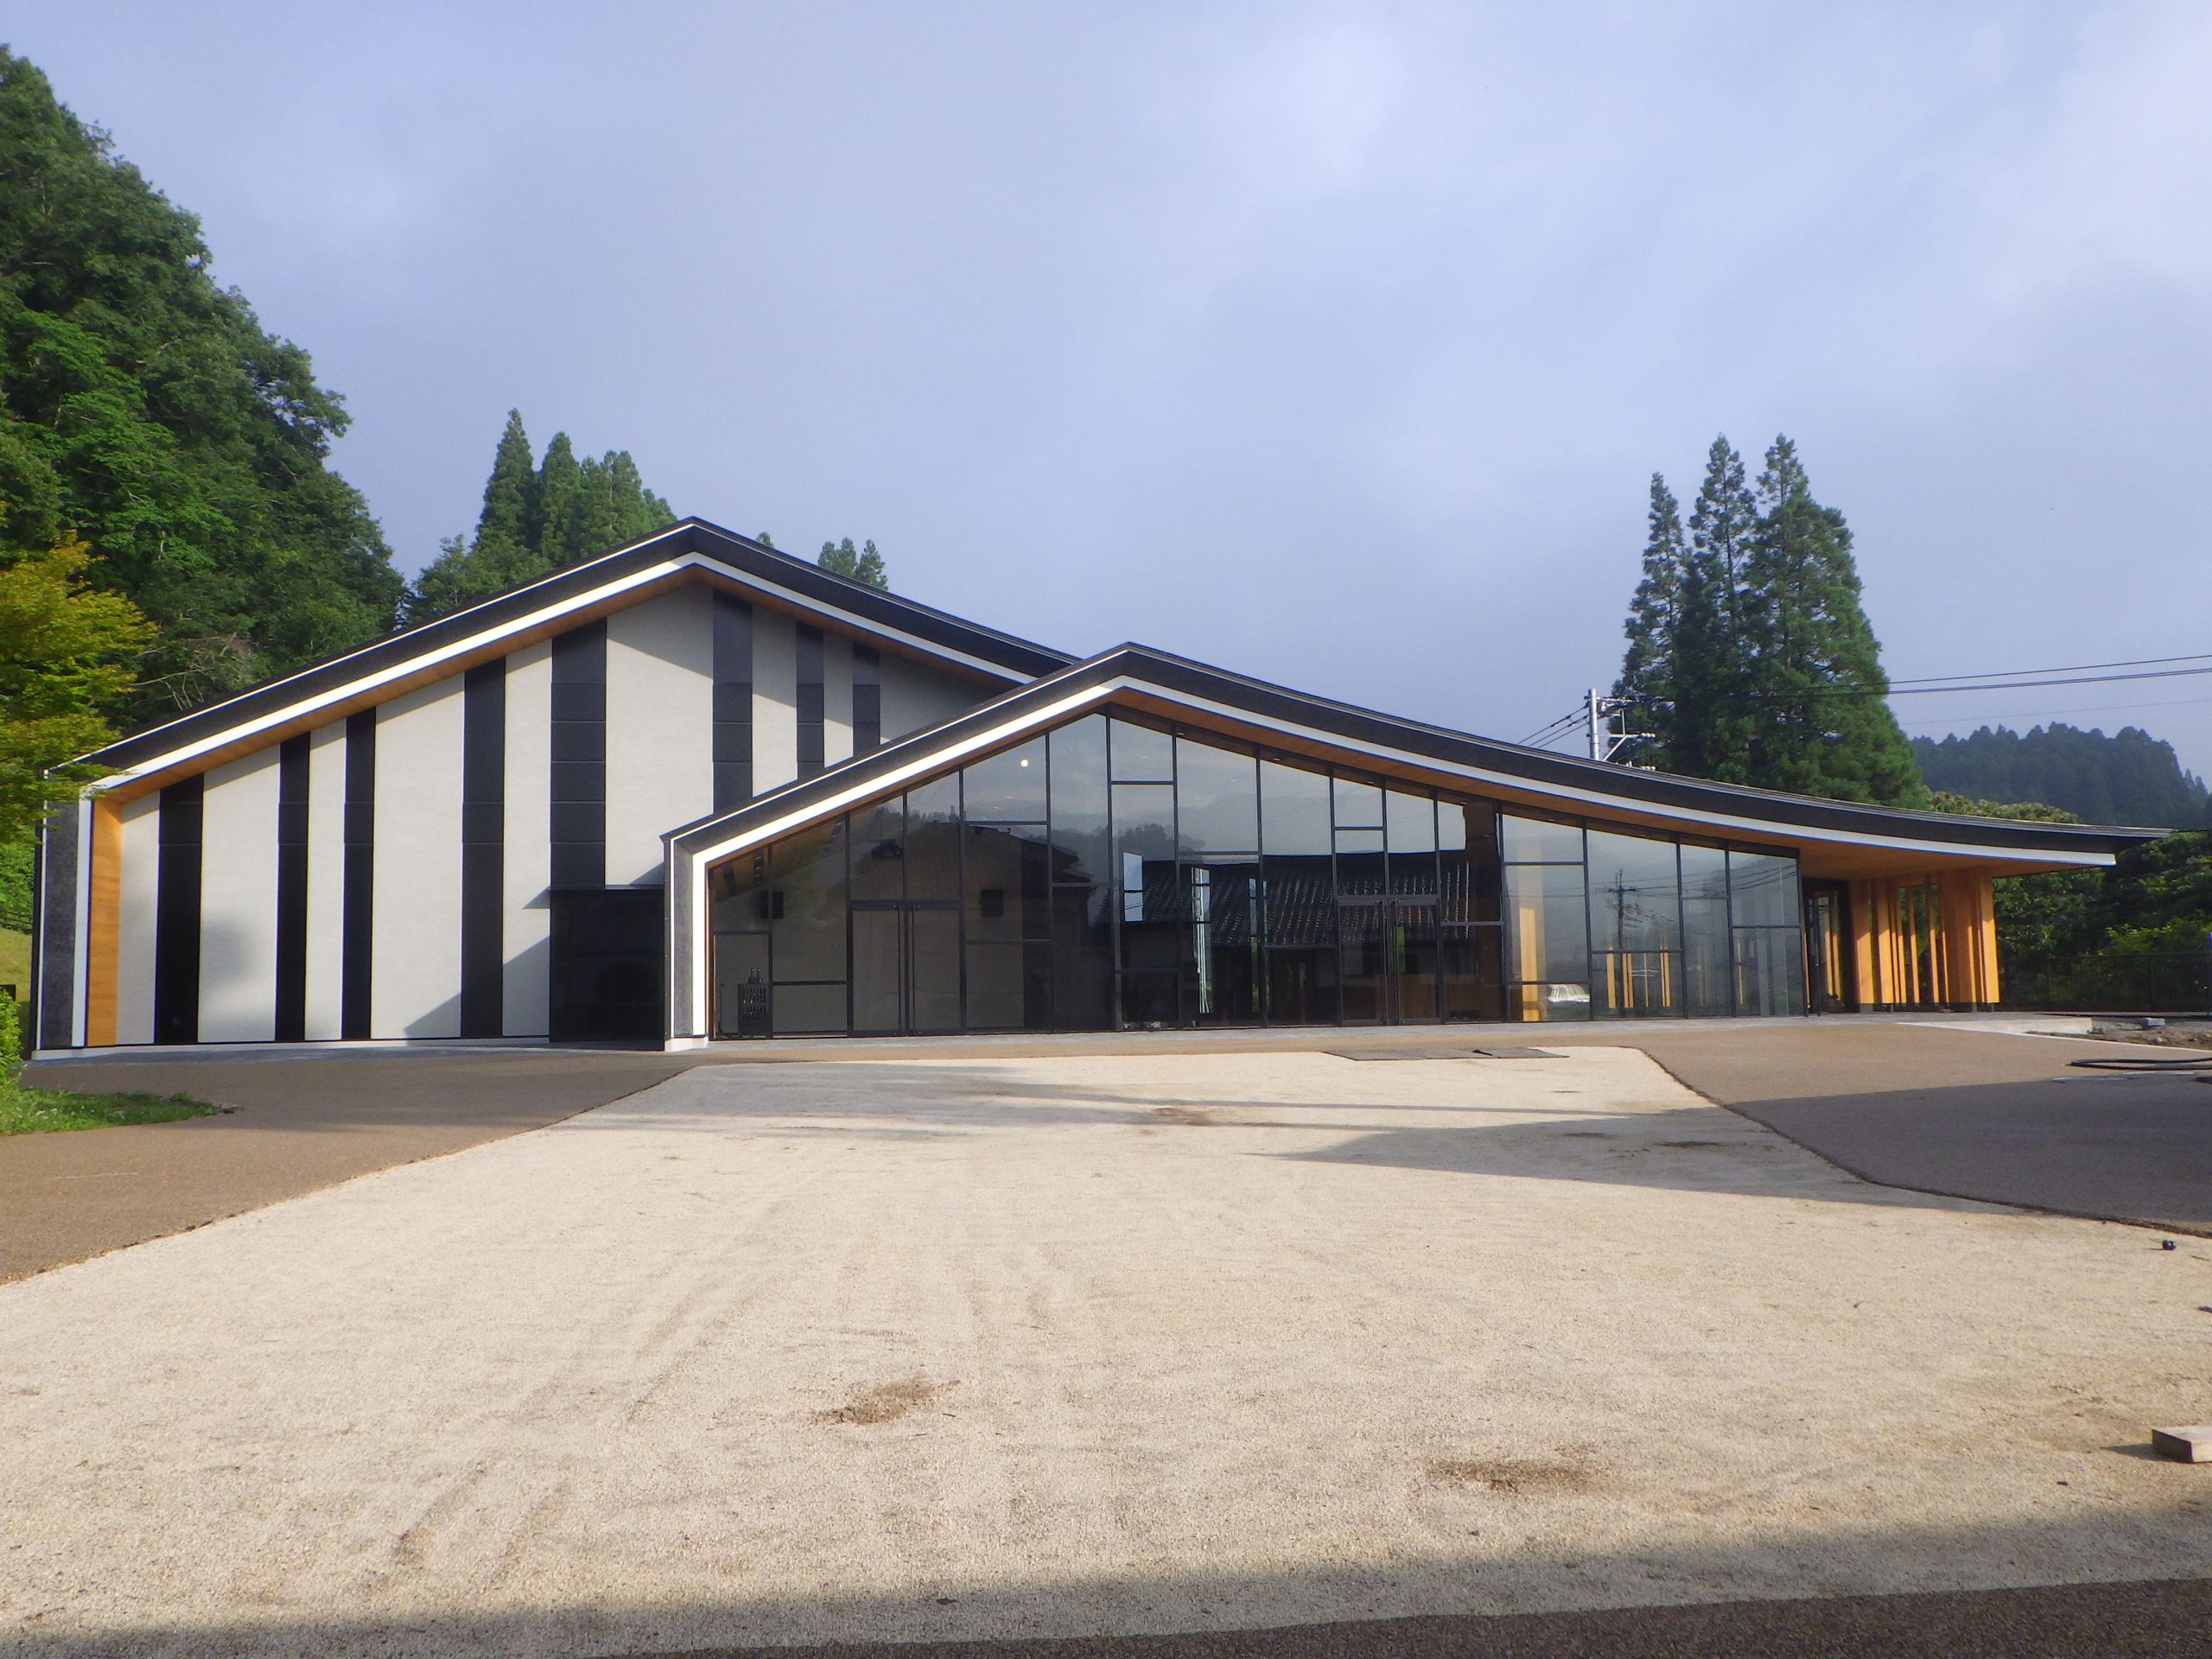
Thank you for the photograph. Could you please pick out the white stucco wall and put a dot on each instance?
(526, 864)
(238, 902)
(141, 853)
(660, 712)
(415, 971)
(915, 696)
(837, 699)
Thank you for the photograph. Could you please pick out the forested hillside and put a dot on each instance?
(2131, 778)
(144, 407)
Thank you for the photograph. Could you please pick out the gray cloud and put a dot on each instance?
(1331, 344)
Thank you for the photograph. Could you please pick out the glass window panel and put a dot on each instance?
(1636, 984)
(1539, 841)
(1008, 786)
(1301, 902)
(808, 924)
(1473, 970)
(1560, 1000)
(1082, 962)
(879, 849)
(738, 893)
(1635, 893)
(1217, 799)
(1411, 821)
(1142, 755)
(802, 1010)
(1362, 947)
(1007, 888)
(1293, 810)
(1359, 863)
(933, 840)
(1223, 899)
(1546, 922)
(933, 962)
(1467, 877)
(1358, 805)
(1769, 971)
(1763, 890)
(1302, 988)
(879, 970)
(1081, 850)
(1009, 987)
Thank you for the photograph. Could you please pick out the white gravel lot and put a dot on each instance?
(905, 1349)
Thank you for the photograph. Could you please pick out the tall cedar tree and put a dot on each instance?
(1817, 686)
(864, 566)
(143, 409)
(536, 520)
(1748, 651)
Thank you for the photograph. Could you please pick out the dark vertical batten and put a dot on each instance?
(483, 848)
(732, 702)
(356, 927)
(176, 913)
(292, 891)
(55, 978)
(868, 699)
(810, 700)
(579, 819)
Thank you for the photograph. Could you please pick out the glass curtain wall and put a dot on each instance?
(1114, 873)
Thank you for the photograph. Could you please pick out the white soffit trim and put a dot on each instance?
(80, 962)
(469, 643)
(1758, 827)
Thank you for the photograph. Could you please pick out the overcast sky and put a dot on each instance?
(1333, 344)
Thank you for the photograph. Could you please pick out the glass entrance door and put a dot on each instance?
(1828, 977)
(906, 969)
(1387, 956)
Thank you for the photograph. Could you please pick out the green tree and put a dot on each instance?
(2127, 778)
(534, 523)
(144, 409)
(1654, 615)
(865, 565)
(69, 654)
(1814, 686)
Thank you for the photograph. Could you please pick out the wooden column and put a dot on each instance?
(1865, 976)
(103, 922)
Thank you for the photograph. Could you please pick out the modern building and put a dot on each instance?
(696, 789)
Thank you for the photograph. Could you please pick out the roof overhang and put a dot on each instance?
(692, 550)
(1830, 836)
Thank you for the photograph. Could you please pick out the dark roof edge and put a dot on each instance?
(1019, 658)
(1657, 793)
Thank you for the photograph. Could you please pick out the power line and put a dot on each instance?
(2069, 668)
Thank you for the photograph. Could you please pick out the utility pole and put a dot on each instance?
(1606, 739)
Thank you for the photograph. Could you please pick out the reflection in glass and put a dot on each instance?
(1545, 924)
(741, 984)
(1468, 876)
(1082, 962)
(1707, 975)
(933, 840)
(1009, 987)
(1223, 903)
(1141, 754)
(1359, 863)
(808, 921)
(1769, 971)
(1539, 841)
(1217, 799)
(1008, 786)
(1006, 880)
(1763, 890)
(1294, 810)
(1077, 757)
(879, 850)
(1635, 893)
(1359, 806)
(1472, 973)
(1410, 827)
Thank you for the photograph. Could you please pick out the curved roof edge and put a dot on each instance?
(1573, 785)
(688, 540)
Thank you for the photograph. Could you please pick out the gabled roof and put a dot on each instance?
(1161, 683)
(528, 611)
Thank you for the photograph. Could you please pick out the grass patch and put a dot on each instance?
(16, 961)
(37, 1111)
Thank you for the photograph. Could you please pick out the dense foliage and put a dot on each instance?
(2131, 778)
(539, 517)
(863, 566)
(144, 409)
(1750, 659)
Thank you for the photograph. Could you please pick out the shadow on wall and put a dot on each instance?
(1650, 1602)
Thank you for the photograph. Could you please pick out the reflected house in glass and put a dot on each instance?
(697, 791)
